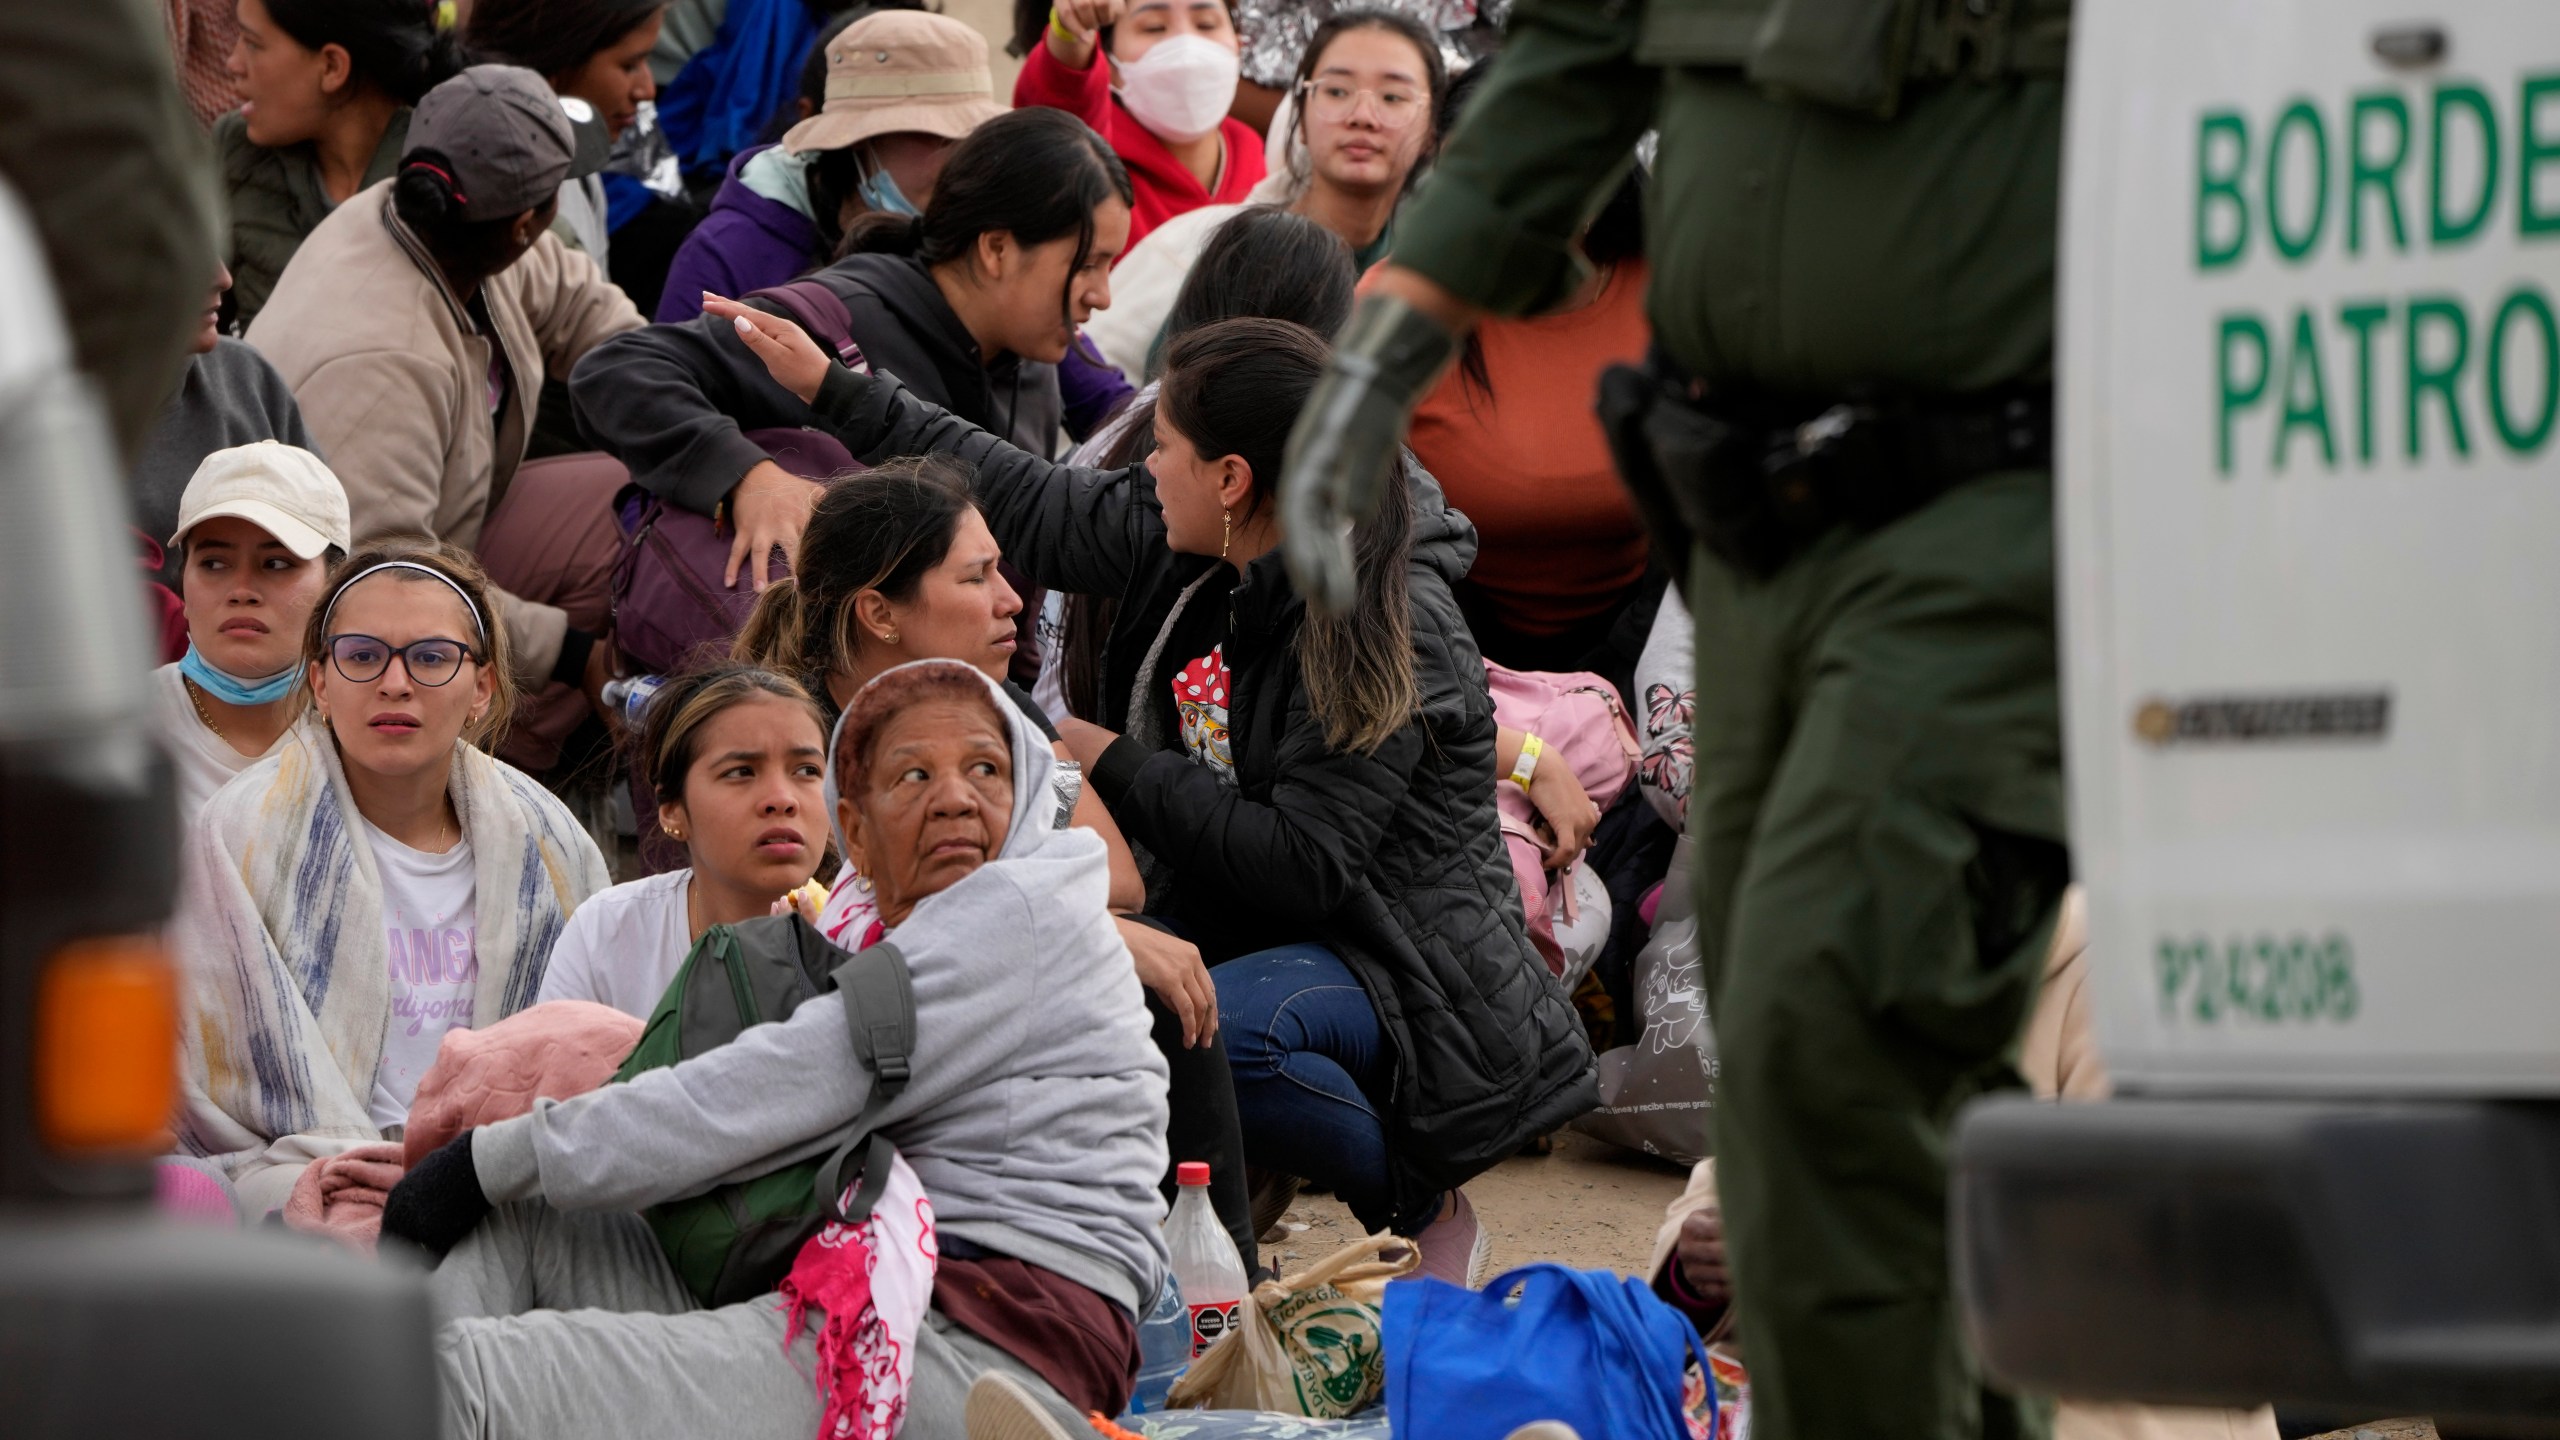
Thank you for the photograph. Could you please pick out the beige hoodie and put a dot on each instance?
(392, 373)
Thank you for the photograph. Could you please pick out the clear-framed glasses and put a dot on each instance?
(430, 662)
(1394, 107)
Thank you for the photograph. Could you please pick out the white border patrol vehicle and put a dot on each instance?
(2310, 514)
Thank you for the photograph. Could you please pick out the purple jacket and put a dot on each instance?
(745, 243)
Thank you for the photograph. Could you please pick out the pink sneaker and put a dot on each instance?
(1455, 1247)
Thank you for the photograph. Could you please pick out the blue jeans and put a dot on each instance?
(1303, 1041)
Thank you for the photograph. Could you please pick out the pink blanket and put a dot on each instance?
(548, 1052)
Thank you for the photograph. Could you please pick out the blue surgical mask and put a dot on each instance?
(230, 689)
(881, 192)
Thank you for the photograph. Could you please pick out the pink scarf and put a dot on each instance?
(873, 1282)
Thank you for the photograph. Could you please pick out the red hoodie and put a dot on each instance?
(1164, 188)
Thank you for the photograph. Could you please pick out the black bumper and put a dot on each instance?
(2380, 1258)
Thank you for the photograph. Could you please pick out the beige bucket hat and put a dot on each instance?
(900, 70)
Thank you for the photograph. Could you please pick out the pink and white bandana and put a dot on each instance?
(873, 1282)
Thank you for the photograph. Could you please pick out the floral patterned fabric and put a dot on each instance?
(873, 1281)
(1275, 32)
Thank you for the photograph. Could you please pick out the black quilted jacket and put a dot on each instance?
(1393, 859)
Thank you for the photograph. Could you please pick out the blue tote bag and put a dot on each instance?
(1600, 1353)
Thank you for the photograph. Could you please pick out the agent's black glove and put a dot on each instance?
(1346, 440)
(439, 1201)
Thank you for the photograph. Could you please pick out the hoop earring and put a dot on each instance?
(1227, 537)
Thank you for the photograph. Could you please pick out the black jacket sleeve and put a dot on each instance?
(671, 401)
(1069, 529)
(1302, 853)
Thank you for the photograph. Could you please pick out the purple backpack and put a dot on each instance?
(670, 606)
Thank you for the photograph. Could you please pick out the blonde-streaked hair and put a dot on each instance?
(671, 732)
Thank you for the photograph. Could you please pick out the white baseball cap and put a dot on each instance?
(282, 489)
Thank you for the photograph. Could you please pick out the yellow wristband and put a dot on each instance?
(1531, 747)
(1059, 28)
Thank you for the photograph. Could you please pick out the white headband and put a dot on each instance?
(449, 583)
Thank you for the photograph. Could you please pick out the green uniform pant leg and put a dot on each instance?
(1881, 844)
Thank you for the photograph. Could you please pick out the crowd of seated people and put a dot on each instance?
(1181, 869)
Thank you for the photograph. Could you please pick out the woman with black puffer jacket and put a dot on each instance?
(1312, 797)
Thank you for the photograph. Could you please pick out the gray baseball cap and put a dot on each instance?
(510, 141)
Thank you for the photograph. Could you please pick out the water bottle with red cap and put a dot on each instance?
(1205, 1262)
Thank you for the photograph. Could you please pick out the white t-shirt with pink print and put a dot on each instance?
(431, 933)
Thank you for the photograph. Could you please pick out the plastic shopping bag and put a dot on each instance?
(1309, 1344)
(1657, 1092)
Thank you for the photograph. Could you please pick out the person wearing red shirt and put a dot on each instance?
(1161, 103)
(1510, 434)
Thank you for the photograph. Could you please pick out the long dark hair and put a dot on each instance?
(391, 45)
(880, 529)
(1435, 73)
(551, 37)
(1265, 262)
(1235, 388)
(1036, 174)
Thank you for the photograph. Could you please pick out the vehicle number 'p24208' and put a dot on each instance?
(2267, 979)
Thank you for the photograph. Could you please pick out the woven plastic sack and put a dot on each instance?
(1657, 1092)
(1310, 1344)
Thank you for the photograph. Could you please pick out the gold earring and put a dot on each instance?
(1227, 540)
(676, 835)
(889, 637)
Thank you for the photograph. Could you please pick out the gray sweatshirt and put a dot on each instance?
(1036, 1113)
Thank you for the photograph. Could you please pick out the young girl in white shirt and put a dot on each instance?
(374, 882)
(739, 761)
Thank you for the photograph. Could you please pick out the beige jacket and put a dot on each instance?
(392, 374)
(2059, 1058)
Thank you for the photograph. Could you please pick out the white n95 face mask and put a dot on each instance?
(1181, 89)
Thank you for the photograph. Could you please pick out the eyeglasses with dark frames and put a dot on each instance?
(431, 662)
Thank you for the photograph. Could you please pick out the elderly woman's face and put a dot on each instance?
(935, 801)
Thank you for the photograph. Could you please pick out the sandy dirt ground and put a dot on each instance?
(1590, 1205)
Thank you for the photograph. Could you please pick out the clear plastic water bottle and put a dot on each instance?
(1205, 1262)
(630, 695)
(1164, 1349)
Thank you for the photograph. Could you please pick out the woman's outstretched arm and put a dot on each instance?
(1067, 528)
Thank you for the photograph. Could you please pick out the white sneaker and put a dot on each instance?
(1000, 1408)
(1456, 1247)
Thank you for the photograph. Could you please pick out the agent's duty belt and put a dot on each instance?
(1757, 477)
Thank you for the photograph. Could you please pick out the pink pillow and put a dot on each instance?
(549, 1052)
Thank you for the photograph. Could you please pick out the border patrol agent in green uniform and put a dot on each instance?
(1844, 437)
